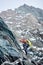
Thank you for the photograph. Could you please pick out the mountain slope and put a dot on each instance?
(29, 9)
(24, 19)
(30, 21)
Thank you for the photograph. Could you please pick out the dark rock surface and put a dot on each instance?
(9, 48)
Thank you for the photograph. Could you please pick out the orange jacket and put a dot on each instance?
(23, 40)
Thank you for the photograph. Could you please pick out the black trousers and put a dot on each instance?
(25, 46)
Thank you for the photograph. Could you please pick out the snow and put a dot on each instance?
(18, 26)
(32, 39)
(19, 31)
(9, 18)
(9, 22)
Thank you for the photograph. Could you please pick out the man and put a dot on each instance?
(26, 44)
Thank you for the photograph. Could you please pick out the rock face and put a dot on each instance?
(25, 22)
(9, 48)
(10, 51)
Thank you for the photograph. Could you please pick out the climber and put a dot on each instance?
(26, 44)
